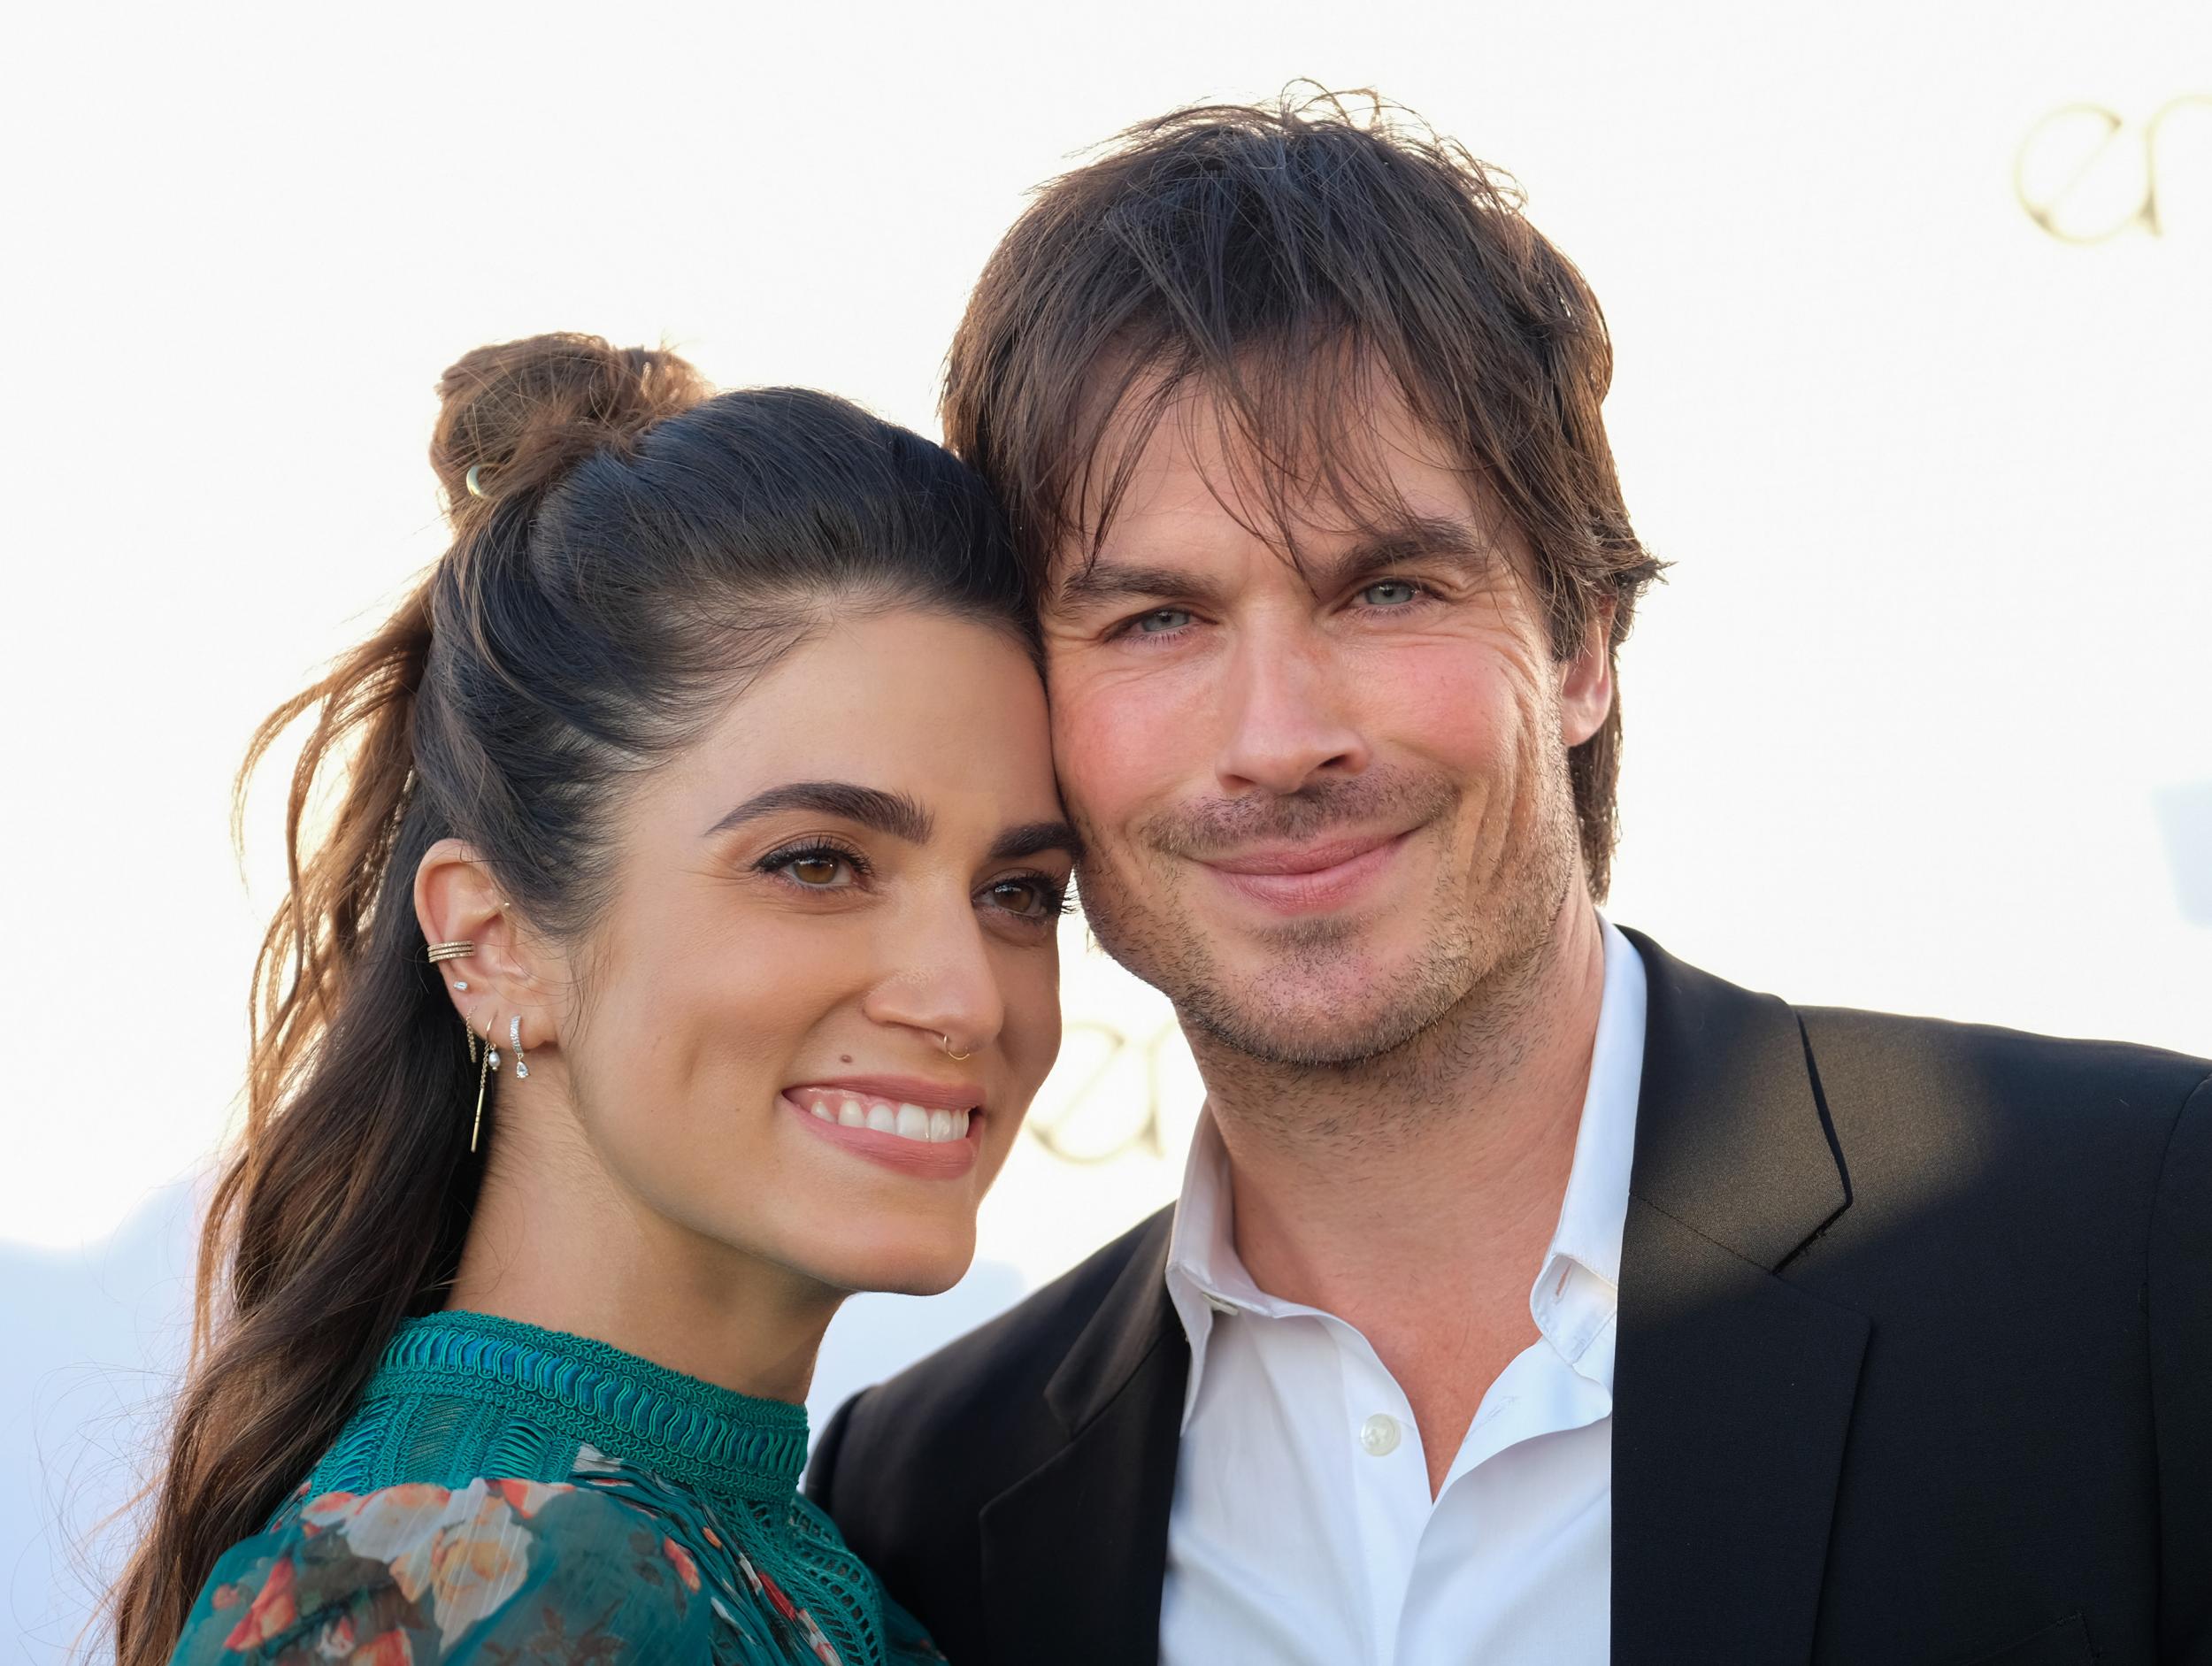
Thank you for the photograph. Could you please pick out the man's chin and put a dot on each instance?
(1316, 1024)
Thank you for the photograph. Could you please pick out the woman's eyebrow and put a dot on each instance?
(892, 813)
(1032, 837)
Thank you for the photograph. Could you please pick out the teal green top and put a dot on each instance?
(505, 1493)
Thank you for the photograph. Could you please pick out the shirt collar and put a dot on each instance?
(1576, 1293)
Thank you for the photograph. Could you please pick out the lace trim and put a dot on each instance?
(797, 1545)
(687, 1430)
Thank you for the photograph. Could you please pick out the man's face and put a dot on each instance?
(1322, 807)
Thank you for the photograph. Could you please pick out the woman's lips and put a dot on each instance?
(929, 1140)
(1305, 878)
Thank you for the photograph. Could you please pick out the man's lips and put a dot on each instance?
(1308, 877)
(1312, 857)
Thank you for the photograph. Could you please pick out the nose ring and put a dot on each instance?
(948, 1052)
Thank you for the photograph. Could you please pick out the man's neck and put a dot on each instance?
(1414, 1197)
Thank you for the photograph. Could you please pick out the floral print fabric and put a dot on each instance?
(611, 1566)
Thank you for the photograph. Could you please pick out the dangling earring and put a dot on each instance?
(514, 1040)
(483, 1080)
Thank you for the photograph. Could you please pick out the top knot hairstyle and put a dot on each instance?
(519, 415)
(635, 550)
(1284, 259)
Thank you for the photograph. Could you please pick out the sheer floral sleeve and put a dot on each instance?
(504, 1495)
(494, 1573)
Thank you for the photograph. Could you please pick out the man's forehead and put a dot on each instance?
(1200, 499)
(1181, 468)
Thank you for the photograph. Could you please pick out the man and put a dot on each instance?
(1533, 1296)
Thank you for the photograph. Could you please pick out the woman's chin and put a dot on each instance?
(916, 1262)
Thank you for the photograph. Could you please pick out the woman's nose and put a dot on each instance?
(940, 983)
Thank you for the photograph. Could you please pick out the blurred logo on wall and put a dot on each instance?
(2087, 174)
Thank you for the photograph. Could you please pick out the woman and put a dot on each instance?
(680, 957)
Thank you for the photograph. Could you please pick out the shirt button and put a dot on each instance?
(1379, 1435)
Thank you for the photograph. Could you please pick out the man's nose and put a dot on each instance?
(1290, 714)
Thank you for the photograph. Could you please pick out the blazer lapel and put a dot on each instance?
(1076, 1551)
(1732, 1388)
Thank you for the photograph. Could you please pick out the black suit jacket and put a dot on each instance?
(1915, 1365)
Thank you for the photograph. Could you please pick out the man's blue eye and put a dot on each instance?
(1388, 593)
(1163, 619)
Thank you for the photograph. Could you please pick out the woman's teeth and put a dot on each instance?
(908, 1122)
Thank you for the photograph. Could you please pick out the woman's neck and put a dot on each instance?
(556, 1243)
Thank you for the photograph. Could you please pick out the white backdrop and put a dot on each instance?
(1920, 721)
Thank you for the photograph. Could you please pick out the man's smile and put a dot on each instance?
(1310, 876)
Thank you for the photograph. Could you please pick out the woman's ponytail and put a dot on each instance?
(343, 1207)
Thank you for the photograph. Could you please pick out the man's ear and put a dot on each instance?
(1586, 681)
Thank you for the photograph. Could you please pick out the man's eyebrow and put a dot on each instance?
(1400, 540)
(1418, 538)
(1033, 837)
(1101, 582)
(892, 813)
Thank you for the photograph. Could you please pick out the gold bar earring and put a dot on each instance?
(483, 1080)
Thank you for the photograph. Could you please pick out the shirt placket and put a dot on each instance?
(1390, 1489)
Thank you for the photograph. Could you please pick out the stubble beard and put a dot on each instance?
(1459, 1009)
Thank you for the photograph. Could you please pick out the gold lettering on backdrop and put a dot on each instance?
(2083, 178)
(1099, 1115)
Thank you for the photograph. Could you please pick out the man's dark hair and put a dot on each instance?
(1284, 259)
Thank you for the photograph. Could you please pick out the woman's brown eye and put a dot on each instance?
(815, 869)
(1031, 899)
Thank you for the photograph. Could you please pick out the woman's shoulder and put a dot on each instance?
(506, 1570)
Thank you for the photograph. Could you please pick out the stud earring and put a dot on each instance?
(514, 1040)
(461, 983)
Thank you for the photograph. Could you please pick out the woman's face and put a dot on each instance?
(856, 874)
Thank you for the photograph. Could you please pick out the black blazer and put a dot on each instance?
(1915, 1365)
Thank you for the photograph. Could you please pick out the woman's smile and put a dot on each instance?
(917, 1128)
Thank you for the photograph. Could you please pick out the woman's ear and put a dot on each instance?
(459, 900)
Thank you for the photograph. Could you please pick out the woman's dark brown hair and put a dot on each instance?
(640, 550)
(1285, 260)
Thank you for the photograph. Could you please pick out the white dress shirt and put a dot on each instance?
(1302, 1531)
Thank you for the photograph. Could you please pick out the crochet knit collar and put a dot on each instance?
(683, 1429)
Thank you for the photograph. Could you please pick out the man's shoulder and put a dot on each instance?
(2090, 1089)
(2068, 1143)
(988, 1386)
